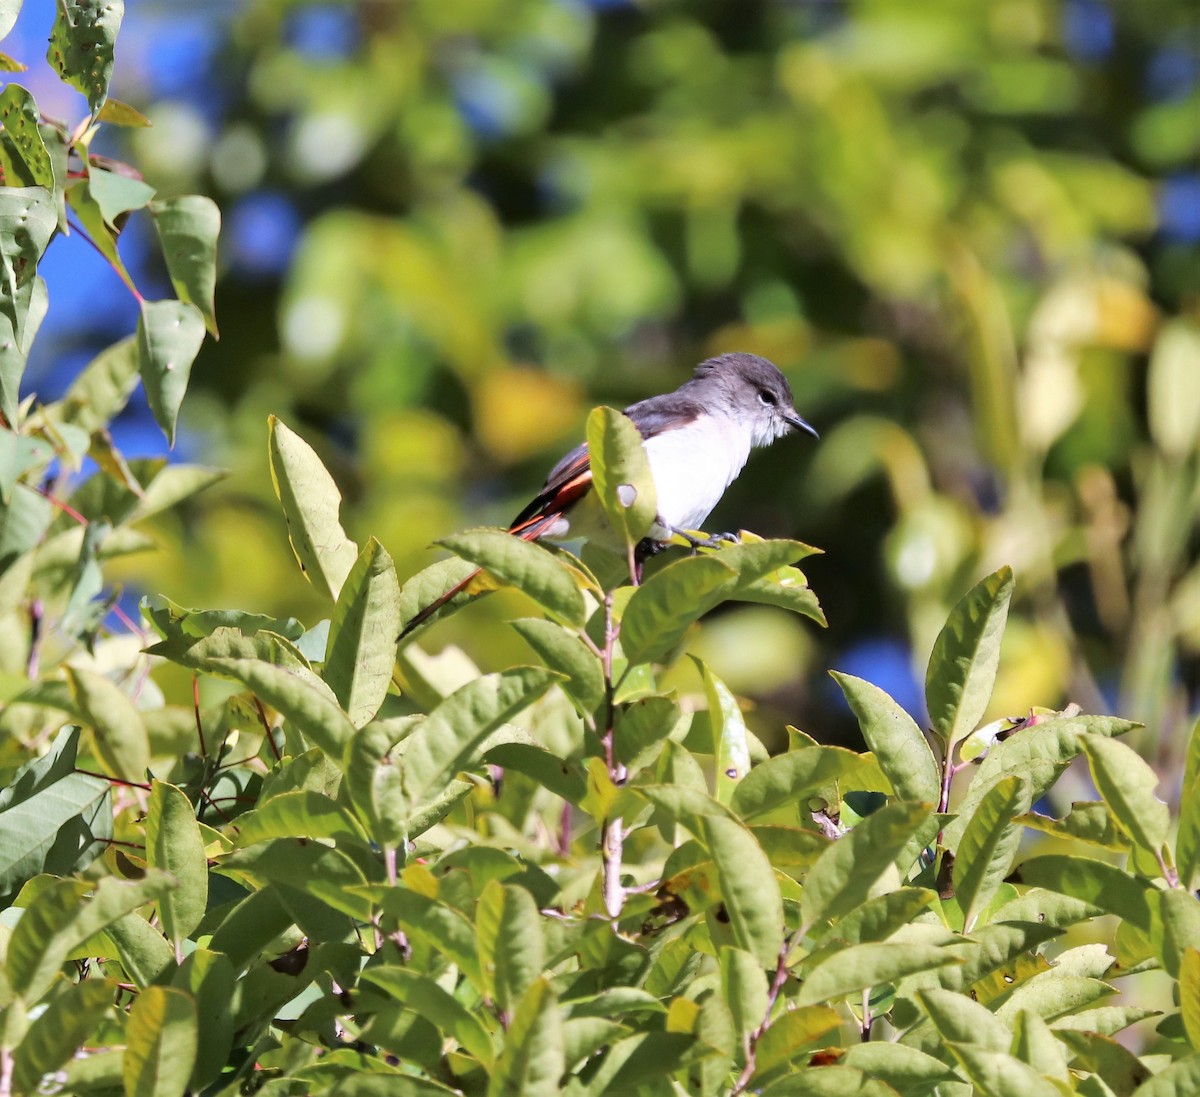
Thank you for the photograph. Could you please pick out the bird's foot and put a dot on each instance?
(713, 541)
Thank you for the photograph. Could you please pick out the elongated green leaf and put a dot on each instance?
(744, 988)
(533, 1058)
(562, 777)
(1095, 882)
(563, 651)
(373, 781)
(1187, 845)
(61, 1031)
(508, 933)
(27, 221)
(1121, 1070)
(829, 1081)
(731, 748)
(640, 1060)
(894, 738)
(756, 560)
(324, 873)
(362, 634)
(311, 503)
(663, 608)
(436, 926)
(904, 1068)
(160, 1043)
(188, 226)
(527, 566)
(448, 740)
(1035, 1043)
(1053, 994)
(749, 890)
(169, 337)
(81, 46)
(873, 964)
(1087, 821)
(988, 846)
(1039, 755)
(63, 916)
(170, 619)
(210, 979)
(1189, 995)
(845, 873)
(962, 666)
(1180, 1079)
(102, 388)
(429, 584)
(303, 813)
(19, 117)
(791, 778)
(961, 1020)
(1174, 926)
(1127, 785)
(878, 918)
(119, 733)
(52, 819)
(315, 714)
(792, 1032)
(174, 844)
(145, 954)
(29, 305)
(997, 1074)
(621, 475)
(994, 947)
(423, 995)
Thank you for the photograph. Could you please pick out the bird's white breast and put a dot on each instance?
(693, 465)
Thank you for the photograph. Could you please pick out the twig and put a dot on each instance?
(196, 710)
(752, 1039)
(267, 729)
(612, 835)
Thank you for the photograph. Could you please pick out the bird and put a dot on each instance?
(697, 439)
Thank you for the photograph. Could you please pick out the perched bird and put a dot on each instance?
(697, 439)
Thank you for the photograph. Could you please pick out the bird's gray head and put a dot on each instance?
(752, 391)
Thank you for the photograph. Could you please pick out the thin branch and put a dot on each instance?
(196, 710)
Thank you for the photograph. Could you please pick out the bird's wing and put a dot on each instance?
(571, 478)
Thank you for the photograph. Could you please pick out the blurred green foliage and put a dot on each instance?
(941, 220)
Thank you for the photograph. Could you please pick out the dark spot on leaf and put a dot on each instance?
(721, 914)
(291, 963)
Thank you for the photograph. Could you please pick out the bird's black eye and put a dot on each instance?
(767, 398)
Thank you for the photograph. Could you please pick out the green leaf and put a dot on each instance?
(962, 666)
(868, 965)
(318, 870)
(122, 114)
(1121, 1070)
(891, 734)
(19, 118)
(315, 714)
(62, 917)
(55, 1036)
(1180, 1079)
(791, 778)
(436, 1005)
(169, 337)
(1187, 842)
(1095, 882)
(533, 1059)
(174, 844)
(621, 476)
(997, 1074)
(994, 947)
(311, 502)
(744, 988)
(509, 938)
(1127, 785)
(749, 890)
(560, 776)
(1175, 925)
(211, 981)
(638, 1061)
(904, 1068)
(117, 194)
(878, 918)
(563, 651)
(451, 736)
(119, 736)
(29, 306)
(145, 954)
(662, 609)
(527, 566)
(52, 819)
(1036, 1044)
(81, 47)
(1039, 754)
(188, 226)
(792, 1032)
(988, 846)
(846, 872)
(731, 748)
(27, 221)
(87, 583)
(102, 388)
(301, 813)
(373, 781)
(959, 1019)
(170, 619)
(160, 1043)
(1189, 995)
(362, 634)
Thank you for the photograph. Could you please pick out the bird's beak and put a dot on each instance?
(796, 423)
